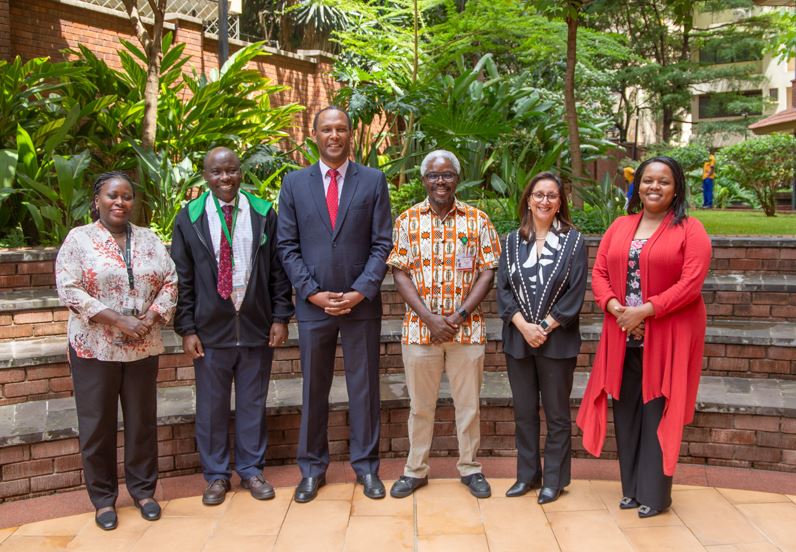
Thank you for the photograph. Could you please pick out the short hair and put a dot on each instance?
(331, 108)
(436, 154)
(526, 217)
(679, 204)
(216, 150)
(99, 183)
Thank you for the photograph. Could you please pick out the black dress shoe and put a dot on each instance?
(372, 485)
(478, 485)
(548, 494)
(258, 487)
(405, 485)
(150, 510)
(628, 503)
(215, 492)
(107, 521)
(646, 511)
(307, 488)
(521, 487)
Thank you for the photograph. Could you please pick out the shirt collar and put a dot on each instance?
(458, 206)
(341, 170)
(241, 199)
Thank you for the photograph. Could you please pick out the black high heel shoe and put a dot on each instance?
(548, 494)
(521, 488)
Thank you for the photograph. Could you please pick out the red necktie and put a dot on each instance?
(331, 196)
(225, 258)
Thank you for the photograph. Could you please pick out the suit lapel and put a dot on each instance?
(349, 189)
(318, 195)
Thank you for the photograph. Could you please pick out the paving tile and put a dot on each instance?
(5, 533)
(387, 506)
(738, 496)
(792, 498)
(500, 486)
(382, 533)
(23, 543)
(750, 547)
(777, 521)
(512, 523)
(587, 531)
(240, 543)
(319, 525)
(447, 508)
(577, 497)
(193, 507)
(663, 539)
(447, 543)
(337, 491)
(176, 533)
(131, 527)
(246, 516)
(712, 518)
(610, 492)
(70, 525)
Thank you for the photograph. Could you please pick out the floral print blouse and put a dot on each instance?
(633, 288)
(91, 276)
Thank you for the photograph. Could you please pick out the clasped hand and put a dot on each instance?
(629, 319)
(138, 326)
(336, 303)
(442, 328)
(534, 334)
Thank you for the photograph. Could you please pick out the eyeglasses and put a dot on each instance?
(444, 176)
(551, 197)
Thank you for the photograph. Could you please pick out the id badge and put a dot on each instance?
(130, 306)
(465, 260)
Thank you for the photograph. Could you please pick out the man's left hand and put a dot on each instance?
(348, 301)
(278, 334)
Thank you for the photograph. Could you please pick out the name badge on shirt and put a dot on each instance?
(465, 256)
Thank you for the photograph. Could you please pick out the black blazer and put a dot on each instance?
(564, 341)
(353, 256)
(200, 309)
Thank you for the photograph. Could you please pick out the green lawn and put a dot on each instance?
(734, 222)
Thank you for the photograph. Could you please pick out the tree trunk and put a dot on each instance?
(569, 97)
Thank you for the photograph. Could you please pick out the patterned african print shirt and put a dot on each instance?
(426, 247)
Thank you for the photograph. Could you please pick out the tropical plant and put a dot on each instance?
(603, 203)
(762, 165)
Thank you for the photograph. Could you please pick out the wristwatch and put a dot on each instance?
(462, 312)
(545, 326)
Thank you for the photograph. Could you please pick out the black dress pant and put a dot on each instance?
(552, 378)
(636, 426)
(98, 387)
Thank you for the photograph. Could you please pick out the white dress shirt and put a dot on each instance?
(341, 170)
(241, 243)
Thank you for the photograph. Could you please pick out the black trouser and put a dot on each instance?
(636, 426)
(552, 378)
(98, 387)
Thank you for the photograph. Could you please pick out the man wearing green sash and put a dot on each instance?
(233, 307)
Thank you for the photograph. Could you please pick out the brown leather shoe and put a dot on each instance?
(259, 487)
(216, 492)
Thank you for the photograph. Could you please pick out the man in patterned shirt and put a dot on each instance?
(443, 260)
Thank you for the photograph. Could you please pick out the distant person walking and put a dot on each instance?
(708, 176)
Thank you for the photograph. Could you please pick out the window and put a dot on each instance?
(713, 53)
(731, 104)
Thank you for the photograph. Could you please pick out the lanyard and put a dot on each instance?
(128, 258)
(224, 228)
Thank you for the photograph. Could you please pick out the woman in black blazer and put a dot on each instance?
(540, 287)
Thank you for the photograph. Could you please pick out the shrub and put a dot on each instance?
(762, 165)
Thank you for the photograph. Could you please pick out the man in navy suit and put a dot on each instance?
(334, 235)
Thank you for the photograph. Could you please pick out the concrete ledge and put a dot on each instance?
(54, 419)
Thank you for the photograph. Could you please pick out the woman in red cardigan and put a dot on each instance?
(648, 279)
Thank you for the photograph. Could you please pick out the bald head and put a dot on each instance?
(222, 173)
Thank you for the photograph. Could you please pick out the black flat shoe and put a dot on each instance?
(307, 488)
(107, 521)
(521, 488)
(628, 503)
(548, 494)
(150, 511)
(405, 485)
(372, 486)
(646, 511)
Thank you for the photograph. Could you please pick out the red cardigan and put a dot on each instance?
(673, 264)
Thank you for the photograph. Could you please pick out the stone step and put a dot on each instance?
(38, 312)
(34, 369)
(739, 423)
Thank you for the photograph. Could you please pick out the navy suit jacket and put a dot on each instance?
(350, 257)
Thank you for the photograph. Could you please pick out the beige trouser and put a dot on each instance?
(424, 365)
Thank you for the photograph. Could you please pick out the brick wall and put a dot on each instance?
(721, 439)
(33, 28)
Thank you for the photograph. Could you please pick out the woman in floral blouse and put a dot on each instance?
(120, 286)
